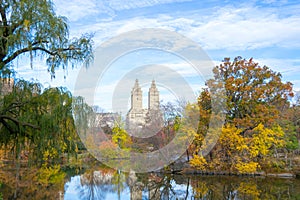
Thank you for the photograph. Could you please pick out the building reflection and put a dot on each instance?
(155, 186)
(105, 183)
(98, 184)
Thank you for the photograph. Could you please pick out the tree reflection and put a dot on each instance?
(168, 186)
(91, 190)
(97, 184)
(244, 188)
(31, 182)
(49, 182)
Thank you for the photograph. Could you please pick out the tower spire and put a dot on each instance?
(136, 97)
(153, 97)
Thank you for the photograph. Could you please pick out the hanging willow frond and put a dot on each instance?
(32, 26)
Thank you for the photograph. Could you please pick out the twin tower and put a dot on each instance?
(137, 115)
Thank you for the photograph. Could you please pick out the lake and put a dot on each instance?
(100, 182)
(98, 185)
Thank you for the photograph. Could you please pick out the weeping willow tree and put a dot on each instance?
(32, 28)
(31, 120)
(38, 124)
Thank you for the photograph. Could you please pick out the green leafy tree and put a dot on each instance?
(40, 123)
(290, 122)
(29, 119)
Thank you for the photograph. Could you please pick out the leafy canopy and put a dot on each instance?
(39, 122)
(255, 97)
(254, 94)
(32, 120)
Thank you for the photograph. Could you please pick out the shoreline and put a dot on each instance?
(192, 171)
(186, 169)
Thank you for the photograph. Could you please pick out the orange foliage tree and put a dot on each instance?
(255, 97)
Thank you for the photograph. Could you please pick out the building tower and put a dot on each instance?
(136, 97)
(138, 118)
(136, 114)
(153, 97)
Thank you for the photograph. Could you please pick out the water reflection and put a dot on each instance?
(100, 182)
(116, 185)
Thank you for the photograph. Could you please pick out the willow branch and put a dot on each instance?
(18, 122)
(28, 49)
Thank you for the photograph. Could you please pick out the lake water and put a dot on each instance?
(99, 182)
(99, 185)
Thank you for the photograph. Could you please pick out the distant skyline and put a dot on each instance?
(268, 31)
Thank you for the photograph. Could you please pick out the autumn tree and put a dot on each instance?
(255, 96)
(204, 111)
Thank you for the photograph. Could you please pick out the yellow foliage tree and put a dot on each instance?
(242, 153)
(231, 148)
(121, 137)
(232, 141)
(264, 139)
(247, 167)
(255, 95)
(199, 162)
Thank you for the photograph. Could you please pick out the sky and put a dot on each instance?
(267, 30)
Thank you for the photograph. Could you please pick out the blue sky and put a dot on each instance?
(268, 31)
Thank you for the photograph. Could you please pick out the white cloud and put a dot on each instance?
(131, 4)
(40, 74)
(247, 28)
(228, 28)
(78, 9)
